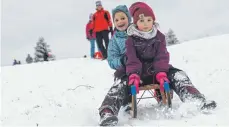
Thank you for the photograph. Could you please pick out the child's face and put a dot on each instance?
(145, 23)
(121, 21)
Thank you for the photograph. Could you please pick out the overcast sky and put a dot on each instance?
(62, 23)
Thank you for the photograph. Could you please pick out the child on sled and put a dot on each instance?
(146, 61)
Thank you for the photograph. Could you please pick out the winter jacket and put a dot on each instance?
(116, 49)
(89, 28)
(146, 52)
(101, 21)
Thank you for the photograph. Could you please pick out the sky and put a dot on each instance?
(62, 23)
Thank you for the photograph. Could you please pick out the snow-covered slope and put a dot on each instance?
(69, 92)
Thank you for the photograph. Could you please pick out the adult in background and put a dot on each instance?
(102, 25)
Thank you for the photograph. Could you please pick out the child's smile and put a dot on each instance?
(121, 25)
(121, 21)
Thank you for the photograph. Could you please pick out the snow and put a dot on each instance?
(69, 92)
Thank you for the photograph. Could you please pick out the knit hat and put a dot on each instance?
(98, 3)
(91, 16)
(123, 9)
(139, 9)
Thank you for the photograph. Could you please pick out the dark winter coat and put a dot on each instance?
(146, 55)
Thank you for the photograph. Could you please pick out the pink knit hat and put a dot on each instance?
(140, 8)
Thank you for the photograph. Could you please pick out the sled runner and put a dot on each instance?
(165, 94)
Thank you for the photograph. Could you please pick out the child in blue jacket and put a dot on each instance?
(116, 58)
(116, 47)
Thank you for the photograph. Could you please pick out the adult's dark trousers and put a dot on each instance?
(100, 37)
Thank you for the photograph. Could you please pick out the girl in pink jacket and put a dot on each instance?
(90, 35)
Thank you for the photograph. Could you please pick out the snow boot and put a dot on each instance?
(158, 96)
(205, 105)
(107, 118)
(127, 108)
(208, 105)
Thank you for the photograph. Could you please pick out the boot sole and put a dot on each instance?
(209, 106)
(110, 121)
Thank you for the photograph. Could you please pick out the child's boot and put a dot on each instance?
(208, 105)
(107, 118)
(205, 104)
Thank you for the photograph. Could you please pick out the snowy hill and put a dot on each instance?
(69, 92)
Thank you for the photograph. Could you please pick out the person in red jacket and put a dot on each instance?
(102, 25)
(91, 35)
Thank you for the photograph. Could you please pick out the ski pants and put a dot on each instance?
(100, 36)
(119, 95)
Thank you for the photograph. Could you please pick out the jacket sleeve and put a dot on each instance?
(87, 30)
(161, 60)
(114, 56)
(133, 64)
(109, 19)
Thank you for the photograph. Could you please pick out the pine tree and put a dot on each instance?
(171, 38)
(42, 51)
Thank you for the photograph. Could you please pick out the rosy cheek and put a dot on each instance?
(127, 21)
(140, 27)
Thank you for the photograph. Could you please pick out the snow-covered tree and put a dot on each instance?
(43, 52)
(171, 38)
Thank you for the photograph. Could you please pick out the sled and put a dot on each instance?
(165, 93)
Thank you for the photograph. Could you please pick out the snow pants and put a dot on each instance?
(119, 93)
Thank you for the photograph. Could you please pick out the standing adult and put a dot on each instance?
(102, 25)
